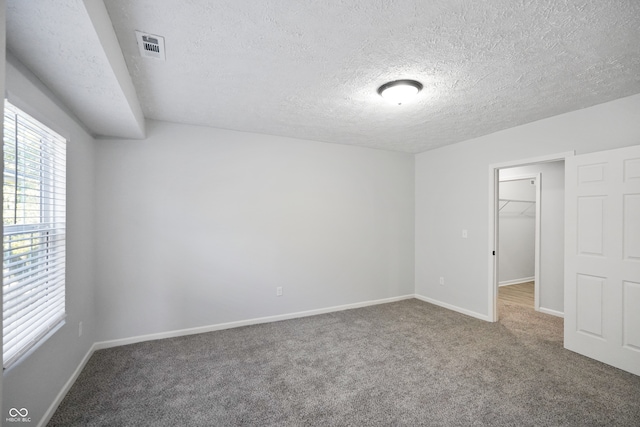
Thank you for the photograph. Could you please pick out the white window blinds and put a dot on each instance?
(33, 205)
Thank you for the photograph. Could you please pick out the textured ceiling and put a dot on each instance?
(310, 69)
(70, 45)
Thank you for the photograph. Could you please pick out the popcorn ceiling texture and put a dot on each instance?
(311, 69)
(58, 42)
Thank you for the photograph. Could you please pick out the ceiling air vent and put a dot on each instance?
(150, 46)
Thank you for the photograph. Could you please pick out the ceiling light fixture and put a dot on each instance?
(399, 91)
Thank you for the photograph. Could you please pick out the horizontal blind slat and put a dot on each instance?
(36, 253)
(22, 326)
(39, 328)
(13, 291)
(44, 261)
(21, 347)
(30, 274)
(27, 324)
(10, 230)
(44, 296)
(27, 242)
(24, 300)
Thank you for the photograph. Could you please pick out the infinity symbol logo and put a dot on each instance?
(13, 412)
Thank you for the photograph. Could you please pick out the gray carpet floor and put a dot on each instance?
(405, 363)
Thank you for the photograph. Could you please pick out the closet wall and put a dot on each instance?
(516, 244)
(551, 286)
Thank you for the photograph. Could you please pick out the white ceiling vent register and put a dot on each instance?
(150, 46)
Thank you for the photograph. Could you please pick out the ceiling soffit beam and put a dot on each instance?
(106, 35)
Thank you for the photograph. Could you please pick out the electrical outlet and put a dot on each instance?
(79, 329)
(442, 280)
(465, 234)
(279, 291)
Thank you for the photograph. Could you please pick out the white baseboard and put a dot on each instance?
(551, 312)
(453, 307)
(516, 281)
(65, 389)
(237, 324)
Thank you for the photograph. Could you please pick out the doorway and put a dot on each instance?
(519, 237)
(549, 282)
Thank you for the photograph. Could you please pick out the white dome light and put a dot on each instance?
(400, 91)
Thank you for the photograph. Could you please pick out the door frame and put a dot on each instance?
(492, 252)
(536, 252)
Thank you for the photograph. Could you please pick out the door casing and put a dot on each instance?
(492, 252)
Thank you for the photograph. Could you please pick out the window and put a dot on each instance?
(33, 207)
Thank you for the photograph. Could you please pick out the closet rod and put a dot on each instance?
(507, 201)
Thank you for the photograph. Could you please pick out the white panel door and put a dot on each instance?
(602, 257)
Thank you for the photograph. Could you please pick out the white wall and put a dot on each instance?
(551, 286)
(452, 193)
(517, 220)
(199, 226)
(35, 382)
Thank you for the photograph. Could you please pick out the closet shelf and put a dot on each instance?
(505, 202)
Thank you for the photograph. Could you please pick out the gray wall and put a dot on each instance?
(35, 382)
(452, 193)
(200, 225)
